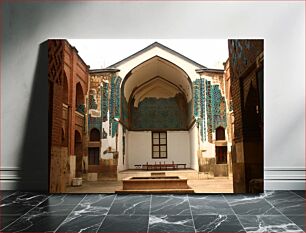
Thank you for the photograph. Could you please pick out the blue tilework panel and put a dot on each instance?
(114, 104)
(208, 101)
(104, 101)
(92, 102)
(94, 122)
(153, 113)
(124, 111)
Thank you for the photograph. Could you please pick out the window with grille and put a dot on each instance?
(159, 145)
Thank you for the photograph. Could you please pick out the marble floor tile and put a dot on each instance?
(47, 216)
(250, 205)
(301, 193)
(20, 203)
(130, 204)
(217, 223)
(98, 199)
(170, 205)
(33, 197)
(81, 223)
(128, 223)
(5, 194)
(35, 223)
(299, 220)
(273, 223)
(209, 205)
(45, 208)
(287, 202)
(95, 204)
(164, 223)
(57, 205)
(7, 220)
(65, 199)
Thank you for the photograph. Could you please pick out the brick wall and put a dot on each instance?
(244, 57)
(65, 69)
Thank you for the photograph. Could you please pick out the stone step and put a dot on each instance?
(155, 191)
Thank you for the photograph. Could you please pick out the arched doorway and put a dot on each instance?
(79, 101)
(253, 141)
(220, 133)
(94, 152)
(94, 135)
(157, 95)
(221, 150)
(78, 150)
(156, 106)
(65, 90)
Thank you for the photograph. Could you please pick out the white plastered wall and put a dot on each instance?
(140, 148)
(194, 140)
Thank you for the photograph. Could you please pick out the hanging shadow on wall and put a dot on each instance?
(34, 151)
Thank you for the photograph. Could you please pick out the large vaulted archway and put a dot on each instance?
(157, 109)
(158, 96)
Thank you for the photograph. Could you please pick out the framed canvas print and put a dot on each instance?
(138, 117)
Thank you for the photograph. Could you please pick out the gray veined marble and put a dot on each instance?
(81, 223)
(287, 202)
(54, 210)
(98, 199)
(35, 212)
(63, 199)
(209, 205)
(299, 220)
(46, 215)
(217, 223)
(127, 223)
(274, 223)
(35, 223)
(130, 205)
(21, 202)
(170, 205)
(7, 220)
(5, 194)
(300, 193)
(95, 204)
(57, 205)
(251, 205)
(164, 223)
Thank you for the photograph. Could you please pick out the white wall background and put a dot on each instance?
(140, 148)
(26, 25)
(178, 146)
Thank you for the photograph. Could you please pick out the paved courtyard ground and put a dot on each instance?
(216, 185)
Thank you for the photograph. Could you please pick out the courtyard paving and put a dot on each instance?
(216, 185)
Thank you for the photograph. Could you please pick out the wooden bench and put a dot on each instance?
(181, 164)
(160, 166)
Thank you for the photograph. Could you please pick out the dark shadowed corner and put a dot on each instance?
(34, 158)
